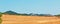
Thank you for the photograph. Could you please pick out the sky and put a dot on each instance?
(31, 6)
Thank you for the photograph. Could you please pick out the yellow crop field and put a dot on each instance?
(15, 19)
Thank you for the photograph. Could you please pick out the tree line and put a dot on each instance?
(31, 14)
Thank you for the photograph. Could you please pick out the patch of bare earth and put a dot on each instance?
(14, 19)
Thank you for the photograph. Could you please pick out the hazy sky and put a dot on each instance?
(31, 6)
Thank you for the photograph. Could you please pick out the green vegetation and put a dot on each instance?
(0, 14)
(31, 14)
(58, 15)
(0, 17)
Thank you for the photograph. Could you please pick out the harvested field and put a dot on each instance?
(15, 19)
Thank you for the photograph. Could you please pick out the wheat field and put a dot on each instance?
(18, 19)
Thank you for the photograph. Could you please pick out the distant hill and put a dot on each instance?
(10, 12)
(31, 14)
(13, 13)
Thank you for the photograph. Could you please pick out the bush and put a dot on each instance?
(0, 14)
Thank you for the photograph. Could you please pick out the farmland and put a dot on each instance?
(18, 19)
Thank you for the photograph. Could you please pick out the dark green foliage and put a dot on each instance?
(25, 14)
(0, 14)
(31, 14)
(45, 15)
(40, 14)
(13, 13)
(58, 15)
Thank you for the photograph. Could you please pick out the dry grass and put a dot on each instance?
(14, 19)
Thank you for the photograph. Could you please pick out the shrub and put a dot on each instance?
(0, 14)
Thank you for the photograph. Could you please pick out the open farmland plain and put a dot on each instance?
(15, 19)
